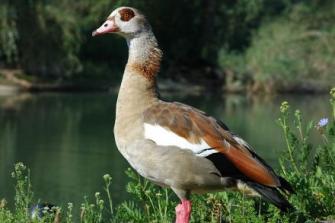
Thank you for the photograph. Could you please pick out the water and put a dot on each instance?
(67, 139)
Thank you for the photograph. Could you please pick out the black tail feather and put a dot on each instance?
(286, 186)
(272, 195)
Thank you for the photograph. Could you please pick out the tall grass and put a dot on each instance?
(309, 167)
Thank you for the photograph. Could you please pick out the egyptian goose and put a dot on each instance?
(173, 144)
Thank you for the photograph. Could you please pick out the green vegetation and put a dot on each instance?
(277, 45)
(299, 46)
(308, 167)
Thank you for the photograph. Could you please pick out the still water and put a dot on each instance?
(67, 139)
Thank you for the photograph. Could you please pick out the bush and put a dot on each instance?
(295, 47)
(49, 39)
(8, 35)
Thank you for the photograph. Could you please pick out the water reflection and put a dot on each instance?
(67, 139)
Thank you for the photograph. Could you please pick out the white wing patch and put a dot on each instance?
(164, 137)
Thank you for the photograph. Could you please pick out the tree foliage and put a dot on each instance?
(299, 46)
(268, 40)
(8, 34)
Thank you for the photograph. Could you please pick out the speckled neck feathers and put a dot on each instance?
(144, 56)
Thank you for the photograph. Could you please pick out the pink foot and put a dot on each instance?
(183, 211)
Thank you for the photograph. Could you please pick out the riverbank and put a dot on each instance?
(14, 80)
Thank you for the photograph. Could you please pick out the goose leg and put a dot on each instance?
(183, 211)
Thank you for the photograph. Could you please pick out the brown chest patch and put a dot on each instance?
(126, 14)
(150, 68)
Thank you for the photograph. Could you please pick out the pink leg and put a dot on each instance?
(183, 211)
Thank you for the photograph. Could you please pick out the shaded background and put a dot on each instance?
(235, 45)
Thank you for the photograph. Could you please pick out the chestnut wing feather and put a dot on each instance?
(194, 125)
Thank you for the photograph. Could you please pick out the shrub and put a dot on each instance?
(8, 35)
(293, 48)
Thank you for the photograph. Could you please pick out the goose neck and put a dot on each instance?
(138, 88)
(144, 56)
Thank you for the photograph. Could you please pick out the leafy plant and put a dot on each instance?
(292, 47)
(8, 34)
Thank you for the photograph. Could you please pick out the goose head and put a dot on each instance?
(125, 21)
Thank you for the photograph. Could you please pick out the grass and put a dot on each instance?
(309, 167)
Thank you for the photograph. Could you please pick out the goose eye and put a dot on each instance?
(126, 14)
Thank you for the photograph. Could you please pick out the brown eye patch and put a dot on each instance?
(126, 14)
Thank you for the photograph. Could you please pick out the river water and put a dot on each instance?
(67, 139)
